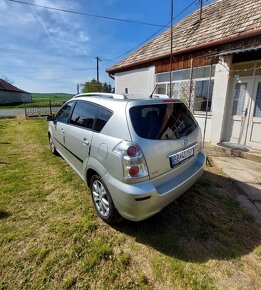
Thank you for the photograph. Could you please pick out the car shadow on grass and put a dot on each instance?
(204, 223)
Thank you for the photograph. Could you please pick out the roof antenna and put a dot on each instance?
(151, 95)
(201, 2)
(200, 11)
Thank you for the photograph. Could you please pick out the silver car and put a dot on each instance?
(136, 155)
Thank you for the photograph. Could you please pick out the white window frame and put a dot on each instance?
(194, 80)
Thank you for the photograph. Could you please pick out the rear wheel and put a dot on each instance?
(52, 146)
(102, 200)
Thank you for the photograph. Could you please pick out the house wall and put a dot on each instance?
(138, 81)
(8, 97)
(201, 121)
(26, 98)
(220, 96)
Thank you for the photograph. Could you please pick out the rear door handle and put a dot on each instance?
(85, 141)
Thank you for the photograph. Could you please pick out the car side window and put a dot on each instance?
(64, 113)
(102, 118)
(84, 114)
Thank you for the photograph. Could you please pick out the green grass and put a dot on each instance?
(51, 95)
(51, 238)
(41, 100)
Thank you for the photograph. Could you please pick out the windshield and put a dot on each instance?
(162, 121)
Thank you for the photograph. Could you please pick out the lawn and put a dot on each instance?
(41, 100)
(51, 238)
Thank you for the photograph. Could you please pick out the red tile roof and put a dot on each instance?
(5, 86)
(222, 20)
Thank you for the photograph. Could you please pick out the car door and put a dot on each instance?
(79, 133)
(60, 124)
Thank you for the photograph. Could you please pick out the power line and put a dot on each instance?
(86, 14)
(83, 55)
(155, 33)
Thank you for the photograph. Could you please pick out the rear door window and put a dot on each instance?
(162, 121)
(102, 118)
(84, 115)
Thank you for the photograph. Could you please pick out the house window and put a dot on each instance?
(202, 101)
(203, 72)
(194, 92)
(161, 89)
(162, 77)
(180, 90)
(175, 90)
(181, 74)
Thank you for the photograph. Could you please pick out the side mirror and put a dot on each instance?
(50, 118)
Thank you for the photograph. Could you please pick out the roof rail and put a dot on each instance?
(144, 96)
(102, 95)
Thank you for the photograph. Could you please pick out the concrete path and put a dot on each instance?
(247, 175)
(11, 112)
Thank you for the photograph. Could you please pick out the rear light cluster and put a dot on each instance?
(134, 165)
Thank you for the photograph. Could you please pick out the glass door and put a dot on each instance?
(239, 111)
(253, 137)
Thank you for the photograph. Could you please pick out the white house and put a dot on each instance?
(216, 67)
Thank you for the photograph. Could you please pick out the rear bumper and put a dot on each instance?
(125, 195)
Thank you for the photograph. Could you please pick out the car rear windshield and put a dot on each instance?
(162, 121)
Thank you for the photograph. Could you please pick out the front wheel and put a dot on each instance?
(102, 200)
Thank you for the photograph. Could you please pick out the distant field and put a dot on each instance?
(50, 96)
(42, 100)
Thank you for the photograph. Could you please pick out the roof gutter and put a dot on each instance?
(111, 76)
(221, 41)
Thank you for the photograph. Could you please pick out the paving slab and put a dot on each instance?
(247, 175)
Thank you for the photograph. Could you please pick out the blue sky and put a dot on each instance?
(43, 50)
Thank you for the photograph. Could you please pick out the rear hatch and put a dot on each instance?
(166, 132)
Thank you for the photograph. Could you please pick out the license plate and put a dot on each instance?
(181, 156)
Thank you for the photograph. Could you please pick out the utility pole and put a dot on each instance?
(78, 87)
(97, 68)
(171, 49)
(97, 72)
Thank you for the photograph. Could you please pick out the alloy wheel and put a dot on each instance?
(100, 198)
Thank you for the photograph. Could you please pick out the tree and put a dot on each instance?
(94, 86)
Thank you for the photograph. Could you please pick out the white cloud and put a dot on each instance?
(62, 30)
(25, 28)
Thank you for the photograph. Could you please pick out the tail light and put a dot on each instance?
(134, 164)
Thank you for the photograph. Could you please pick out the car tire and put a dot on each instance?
(52, 146)
(102, 200)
